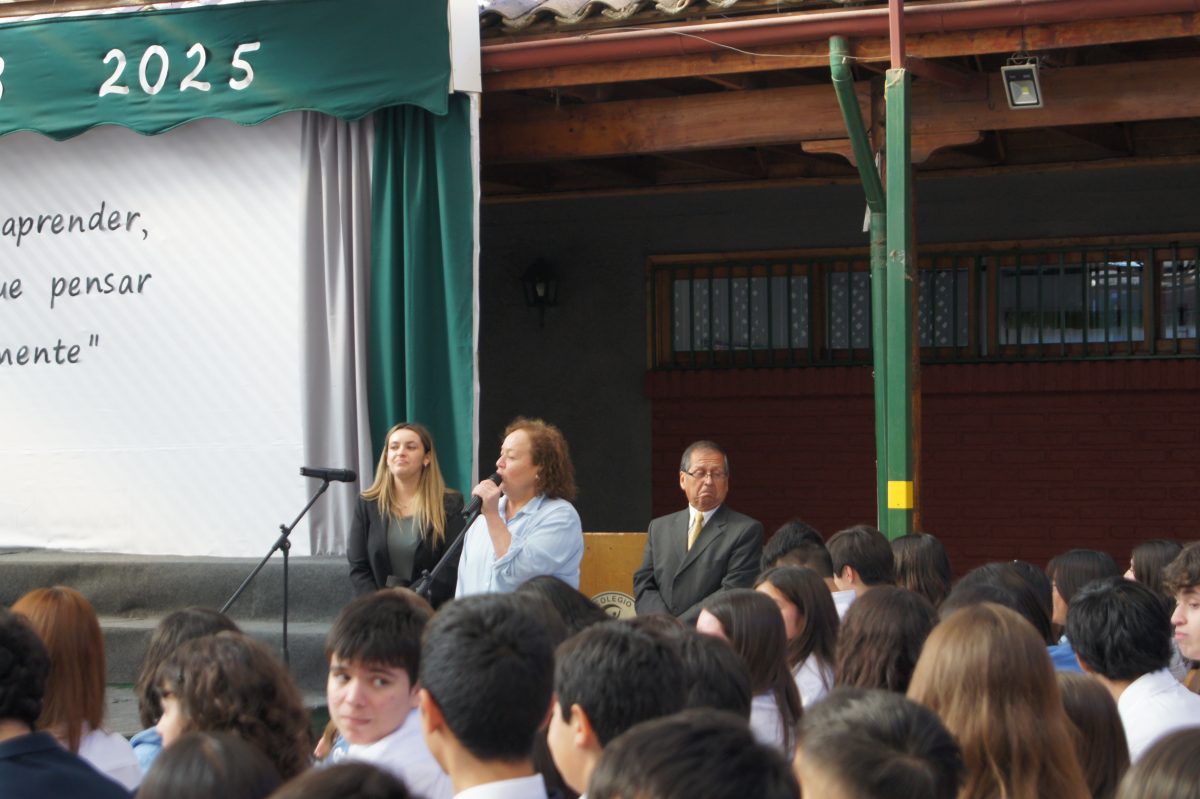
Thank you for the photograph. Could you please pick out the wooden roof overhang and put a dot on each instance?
(602, 111)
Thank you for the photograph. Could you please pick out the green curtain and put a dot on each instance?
(421, 363)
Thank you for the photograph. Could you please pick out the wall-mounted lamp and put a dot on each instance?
(541, 288)
(1021, 83)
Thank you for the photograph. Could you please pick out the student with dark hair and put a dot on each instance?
(33, 765)
(487, 676)
(922, 566)
(1147, 561)
(1069, 572)
(881, 639)
(696, 753)
(791, 535)
(1181, 578)
(607, 679)
(1122, 635)
(1101, 746)
(1168, 770)
(751, 623)
(374, 654)
(173, 630)
(715, 676)
(230, 682)
(575, 609)
(810, 621)
(204, 765)
(345, 781)
(862, 559)
(859, 744)
(1016, 585)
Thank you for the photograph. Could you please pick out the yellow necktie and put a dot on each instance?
(697, 526)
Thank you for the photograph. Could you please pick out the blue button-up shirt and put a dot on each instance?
(547, 538)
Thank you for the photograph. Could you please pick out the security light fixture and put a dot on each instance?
(1021, 84)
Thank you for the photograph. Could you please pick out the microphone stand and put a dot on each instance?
(423, 585)
(283, 544)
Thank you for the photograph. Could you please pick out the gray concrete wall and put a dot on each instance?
(584, 370)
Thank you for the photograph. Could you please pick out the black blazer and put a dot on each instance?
(370, 564)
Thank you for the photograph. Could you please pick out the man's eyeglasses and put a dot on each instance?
(699, 475)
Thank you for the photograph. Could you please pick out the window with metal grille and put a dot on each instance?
(989, 303)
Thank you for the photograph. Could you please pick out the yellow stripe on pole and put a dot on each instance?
(900, 494)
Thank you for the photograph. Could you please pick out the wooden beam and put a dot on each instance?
(1074, 96)
(741, 163)
(923, 145)
(816, 54)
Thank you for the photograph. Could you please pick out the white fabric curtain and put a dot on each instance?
(336, 253)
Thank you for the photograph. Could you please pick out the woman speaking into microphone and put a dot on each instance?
(527, 525)
(406, 519)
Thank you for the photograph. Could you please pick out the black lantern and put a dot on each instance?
(541, 288)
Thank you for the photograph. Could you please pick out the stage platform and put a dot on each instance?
(132, 592)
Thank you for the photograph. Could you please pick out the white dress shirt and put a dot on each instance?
(813, 681)
(405, 754)
(111, 755)
(521, 788)
(1152, 706)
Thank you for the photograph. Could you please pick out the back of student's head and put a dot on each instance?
(576, 610)
(986, 673)
(68, 626)
(881, 638)
(489, 665)
(1101, 744)
(1074, 569)
(877, 745)
(382, 628)
(922, 566)
(790, 536)
(344, 781)
(619, 677)
(1119, 628)
(1183, 573)
(1148, 560)
(716, 677)
(24, 665)
(865, 550)
(1014, 584)
(173, 630)
(696, 753)
(230, 682)
(1169, 769)
(202, 765)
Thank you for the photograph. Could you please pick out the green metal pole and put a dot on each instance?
(900, 282)
(843, 84)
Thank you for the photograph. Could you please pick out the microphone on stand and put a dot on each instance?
(329, 475)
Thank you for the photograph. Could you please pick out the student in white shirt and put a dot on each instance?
(811, 623)
(1121, 632)
(374, 652)
(487, 676)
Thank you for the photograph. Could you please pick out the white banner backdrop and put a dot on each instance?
(150, 340)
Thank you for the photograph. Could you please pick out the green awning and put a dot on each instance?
(154, 70)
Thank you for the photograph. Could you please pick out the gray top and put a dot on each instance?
(402, 540)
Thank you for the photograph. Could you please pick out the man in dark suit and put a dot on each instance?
(709, 547)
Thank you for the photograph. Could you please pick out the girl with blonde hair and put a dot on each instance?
(986, 673)
(406, 518)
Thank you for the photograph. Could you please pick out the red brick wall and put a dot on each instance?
(1017, 460)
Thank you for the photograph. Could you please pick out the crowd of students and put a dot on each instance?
(854, 668)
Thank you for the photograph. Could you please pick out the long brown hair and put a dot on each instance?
(986, 673)
(1101, 744)
(67, 624)
(429, 511)
(755, 630)
(881, 638)
(818, 631)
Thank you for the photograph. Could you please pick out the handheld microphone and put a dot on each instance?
(476, 503)
(329, 475)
